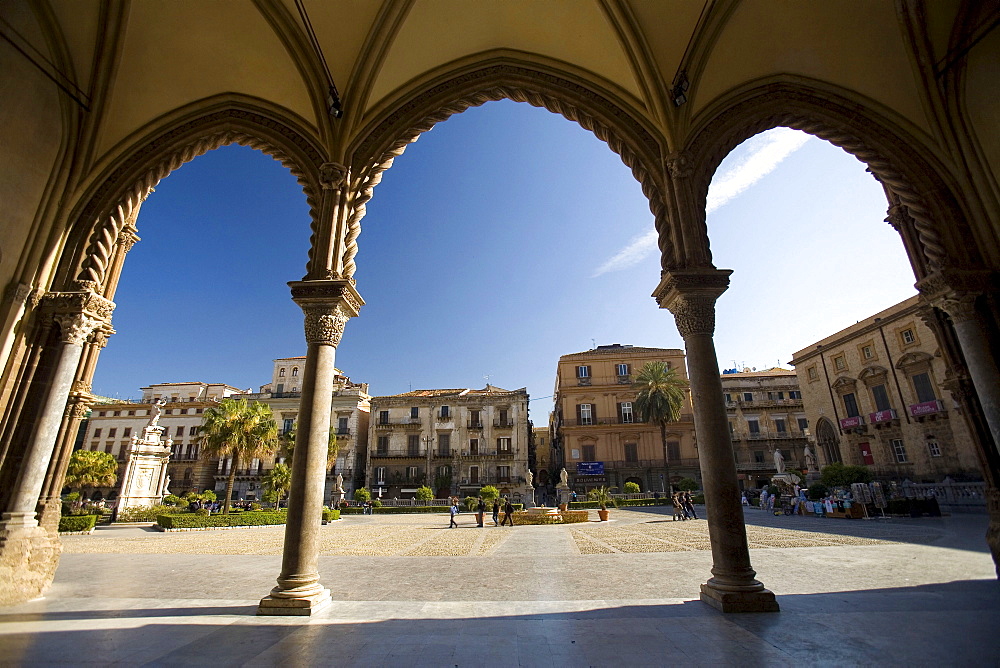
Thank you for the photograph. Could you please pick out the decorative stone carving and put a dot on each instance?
(128, 237)
(690, 295)
(332, 175)
(75, 327)
(324, 325)
(954, 292)
(679, 165)
(327, 306)
(896, 216)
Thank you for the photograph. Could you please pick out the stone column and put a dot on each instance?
(28, 555)
(690, 295)
(327, 305)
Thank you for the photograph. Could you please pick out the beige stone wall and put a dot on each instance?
(892, 350)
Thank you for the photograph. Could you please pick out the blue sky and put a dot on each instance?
(502, 239)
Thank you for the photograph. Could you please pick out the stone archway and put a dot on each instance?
(829, 444)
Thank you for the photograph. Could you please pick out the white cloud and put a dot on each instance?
(761, 155)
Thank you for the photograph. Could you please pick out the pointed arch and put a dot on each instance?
(894, 151)
(126, 178)
(829, 444)
(594, 105)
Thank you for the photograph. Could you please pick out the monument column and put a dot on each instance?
(28, 556)
(690, 295)
(327, 304)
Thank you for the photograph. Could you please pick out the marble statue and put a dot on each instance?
(340, 483)
(563, 478)
(156, 412)
(779, 461)
(810, 459)
(528, 477)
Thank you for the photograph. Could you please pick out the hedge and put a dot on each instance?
(574, 516)
(150, 514)
(625, 503)
(330, 514)
(77, 523)
(247, 519)
(398, 510)
(565, 517)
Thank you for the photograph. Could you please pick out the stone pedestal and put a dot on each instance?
(144, 482)
(303, 606)
(29, 556)
(739, 601)
(336, 497)
(529, 497)
(563, 494)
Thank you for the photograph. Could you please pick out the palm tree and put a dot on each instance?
(660, 395)
(240, 430)
(89, 468)
(277, 481)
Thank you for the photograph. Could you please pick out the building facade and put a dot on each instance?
(766, 413)
(598, 430)
(349, 415)
(112, 425)
(878, 395)
(454, 441)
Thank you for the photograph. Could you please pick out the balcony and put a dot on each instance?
(620, 465)
(590, 422)
(489, 454)
(342, 431)
(474, 425)
(405, 423)
(397, 455)
(770, 435)
(445, 417)
(926, 408)
(503, 424)
(624, 380)
(485, 479)
(886, 416)
(444, 454)
(763, 403)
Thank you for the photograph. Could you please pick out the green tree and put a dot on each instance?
(209, 495)
(687, 484)
(238, 429)
(424, 493)
(276, 482)
(361, 495)
(839, 475)
(632, 488)
(659, 397)
(602, 495)
(489, 493)
(89, 468)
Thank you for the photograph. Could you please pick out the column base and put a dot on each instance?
(302, 606)
(739, 601)
(29, 556)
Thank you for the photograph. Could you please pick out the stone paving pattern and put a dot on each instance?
(410, 592)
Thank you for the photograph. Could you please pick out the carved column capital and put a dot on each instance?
(896, 216)
(327, 306)
(128, 237)
(22, 294)
(690, 295)
(75, 328)
(955, 292)
(78, 314)
(679, 165)
(79, 403)
(332, 175)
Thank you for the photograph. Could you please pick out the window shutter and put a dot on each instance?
(579, 414)
(621, 413)
(593, 413)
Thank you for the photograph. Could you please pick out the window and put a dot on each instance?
(908, 337)
(673, 451)
(898, 450)
(758, 456)
(190, 451)
(179, 431)
(444, 444)
(382, 445)
(379, 475)
(101, 414)
(776, 396)
(414, 412)
(411, 472)
(574, 453)
(169, 411)
(503, 474)
(280, 388)
(504, 419)
(867, 352)
(445, 412)
(342, 425)
(198, 411)
(803, 424)
(97, 433)
(475, 420)
(631, 452)
(383, 417)
(795, 394)
(851, 405)
(840, 363)
(109, 446)
(287, 425)
(622, 369)
(811, 373)
(503, 445)
(754, 426)
(281, 373)
(881, 397)
(779, 426)
(473, 475)
(128, 432)
(588, 453)
(413, 445)
(585, 413)
(924, 389)
(473, 446)
(583, 372)
(933, 448)
(295, 371)
(133, 412)
(625, 412)
(729, 398)
(112, 432)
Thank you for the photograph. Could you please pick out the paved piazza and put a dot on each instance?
(409, 591)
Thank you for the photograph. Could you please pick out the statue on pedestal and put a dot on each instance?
(563, 478)
(339, 484)
(156, 412)
(528, 478)
(810, 459)
(779, 460)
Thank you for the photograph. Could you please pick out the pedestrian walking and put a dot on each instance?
(496, 512)
(508, 513)
(678, 508)
(743, 499)
(689, 505)
(454, 511)
(480, 511)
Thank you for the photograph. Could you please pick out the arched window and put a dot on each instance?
(295, 371)
(829, 444)
(281, 372)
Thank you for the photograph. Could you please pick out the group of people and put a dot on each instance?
(507, 507)
(684, 506)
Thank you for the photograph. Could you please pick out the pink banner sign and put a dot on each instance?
(926, 408)
(882, 416)
(851, 422)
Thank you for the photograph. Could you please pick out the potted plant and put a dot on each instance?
(602, 495)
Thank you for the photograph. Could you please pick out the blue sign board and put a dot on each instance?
(590, 468)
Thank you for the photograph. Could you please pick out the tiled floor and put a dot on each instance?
(900, 592)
